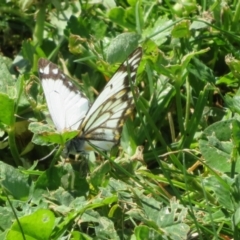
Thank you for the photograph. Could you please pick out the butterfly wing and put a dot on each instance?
(103, 123)
(67, 106)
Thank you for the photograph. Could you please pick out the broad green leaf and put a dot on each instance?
(145, 232)
(181, 30)
(45, 134)
(202, 73)
(16, 183)
(123, 17)
(216, 146)
(63, 176)
(233, 102)
(160, 30)
(6, 217)
(221, 191)
(28, 50)
(128, 139)
(78, 26)
(180, 69)
(6, 109)
(79, 236)
(38, 225)
(90, 216)
(198, 25)
(237, 216)
(60, 18)
(105, 229)
(98, 175)
(7, 82)
(121, 46)
(228, 79)
(169, 220)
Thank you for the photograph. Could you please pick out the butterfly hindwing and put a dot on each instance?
(67, 106)
(104, 120)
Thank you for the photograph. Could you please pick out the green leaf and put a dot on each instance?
(216, 146)
(125, 17)
(6, 109)
(7, 82)
(63, 176)
(237, 216)
(79, 236)
(221, 190)
(201, 72)
(180, 69)
(160, 30)
(198, 25)
(128, 140)
(121, 46)
(16, 183)
(99, 174)
(38, 225)
(78, 26)
(45, 134)
(28, 51)
(228, 79)
(6, 218)
(233, 102)
(106, 229)
(181, 30)
(144, 233)
(169, 220)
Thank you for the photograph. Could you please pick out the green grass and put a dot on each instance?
(186, 117)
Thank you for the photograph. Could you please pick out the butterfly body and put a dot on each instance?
(99, 125)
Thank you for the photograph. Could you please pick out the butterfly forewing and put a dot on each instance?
(67, 106)
(104, 120)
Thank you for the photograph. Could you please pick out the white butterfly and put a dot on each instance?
(99, 125)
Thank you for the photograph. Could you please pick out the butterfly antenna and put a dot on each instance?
(47, 156)
(23, 118)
